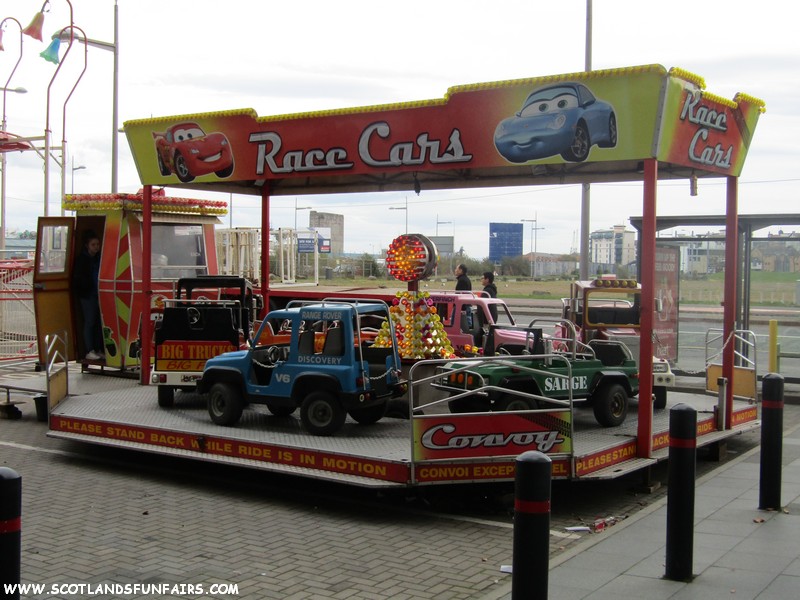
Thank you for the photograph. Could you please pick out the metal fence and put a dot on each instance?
(17, 318)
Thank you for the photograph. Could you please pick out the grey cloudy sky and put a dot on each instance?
(189, 56)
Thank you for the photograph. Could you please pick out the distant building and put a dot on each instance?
(615, 246)
(335, 223)
(18, 248)
(549, 265)
(705, 254)
(780, 253)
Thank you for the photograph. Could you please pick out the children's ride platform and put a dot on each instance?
(432, 446)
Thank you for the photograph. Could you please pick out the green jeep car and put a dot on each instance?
(601, 374)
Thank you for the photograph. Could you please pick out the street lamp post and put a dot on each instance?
(74, 168)
(405, 208)
(586, 188)
(114, 49)
(296, 208)
(6, 89)
(438, 222)
(534, 229)
(453, 253)
(296, 254)
(34, 30)
(63, 164)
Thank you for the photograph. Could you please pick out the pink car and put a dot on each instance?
(186, 150)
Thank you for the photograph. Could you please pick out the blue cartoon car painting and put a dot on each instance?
(563, 118)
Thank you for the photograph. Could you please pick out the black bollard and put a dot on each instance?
(531, 560)
(769, 492)
(10, 530)
(680, 495)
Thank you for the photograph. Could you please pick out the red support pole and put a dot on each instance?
(730, 303)
(644, 445)
(265, 247)
(147, 283)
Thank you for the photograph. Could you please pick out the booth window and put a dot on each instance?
(178, 251)
(53, 249)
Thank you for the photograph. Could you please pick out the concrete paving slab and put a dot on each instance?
(738, 550)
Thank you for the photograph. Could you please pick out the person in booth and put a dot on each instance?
(462, 281)
(85, 283)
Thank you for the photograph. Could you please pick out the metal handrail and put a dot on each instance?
(745, 352)
(416, 412)
(56, 351)
(743, 338)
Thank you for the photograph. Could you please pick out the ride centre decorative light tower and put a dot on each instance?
(417, 326)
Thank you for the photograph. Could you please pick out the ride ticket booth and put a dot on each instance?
(181, 245)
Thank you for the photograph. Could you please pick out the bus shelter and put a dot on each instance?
(746, 235)
(641, 123)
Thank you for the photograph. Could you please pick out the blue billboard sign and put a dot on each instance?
(505, 239)
(305, 245)
(306, 239)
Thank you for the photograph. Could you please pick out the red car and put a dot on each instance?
(186, 150)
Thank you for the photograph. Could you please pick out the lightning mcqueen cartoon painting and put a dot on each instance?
(564, 119)
(186, 150)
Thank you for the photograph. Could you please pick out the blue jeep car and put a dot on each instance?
(319, 357)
